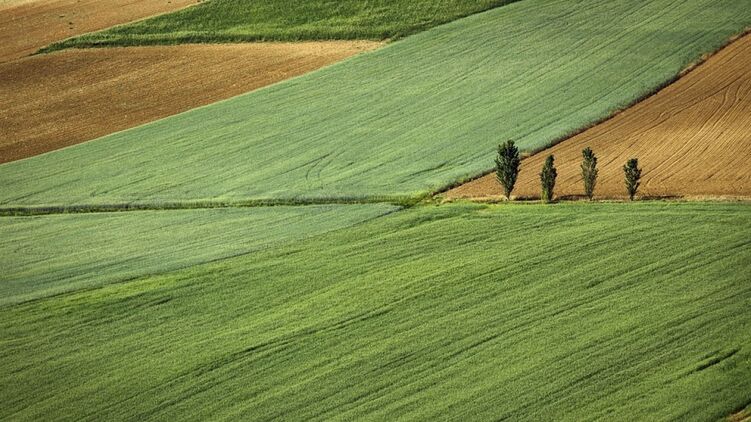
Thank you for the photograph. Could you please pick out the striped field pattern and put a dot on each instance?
(461, 312)
(405, 120)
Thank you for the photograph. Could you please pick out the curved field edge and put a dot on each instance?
(57, 100)
(405, 120)
(523, 312)
(691, 139)
(51, 255)
(236, 21)
(27, 26)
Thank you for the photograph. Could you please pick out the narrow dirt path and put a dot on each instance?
(55, 100)
(28, 25)
(692, 139)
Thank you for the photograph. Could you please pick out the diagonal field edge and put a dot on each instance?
(406, 120)
(237, 22)
(691, 68)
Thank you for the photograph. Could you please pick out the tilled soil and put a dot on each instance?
(55, 100)
(692, 139)
(28, 25)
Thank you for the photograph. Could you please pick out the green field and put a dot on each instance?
(48, 255)
(411, 118)
(199, 300)
(285, 20)
(464, 312)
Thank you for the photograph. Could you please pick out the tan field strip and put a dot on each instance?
(55, 100)
(28, 25)
(692, 139)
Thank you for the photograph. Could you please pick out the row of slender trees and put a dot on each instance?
(508, 163)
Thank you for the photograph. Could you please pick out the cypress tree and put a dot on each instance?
(633, 177)
(589, 172)
(507, 166)
(547, 179)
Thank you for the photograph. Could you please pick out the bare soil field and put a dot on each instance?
(28, 25)
(55, 100)
(692, 139)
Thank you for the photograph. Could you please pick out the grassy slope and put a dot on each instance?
(567, 312)
(410, 118)
(48, 255)
(285, 20)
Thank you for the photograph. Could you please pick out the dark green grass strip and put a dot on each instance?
(397, 201)
(463, 312)
(223, 21)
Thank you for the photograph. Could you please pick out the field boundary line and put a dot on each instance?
(36, 210)
(401, 202)
(44, 50)
(687, 70)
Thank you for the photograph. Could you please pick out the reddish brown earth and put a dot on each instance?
(692, 139)
(54, 100)
(28, 25)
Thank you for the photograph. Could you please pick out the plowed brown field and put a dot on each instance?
(28, 25)
(55, 100)
(693, 139)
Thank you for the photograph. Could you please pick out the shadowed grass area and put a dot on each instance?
(49, 255)
(220, 21)
(405, 120)
(519, 312)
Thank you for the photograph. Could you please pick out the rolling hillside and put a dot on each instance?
(692, 139)
(405, 120)
(519, 312)
(272, 256)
